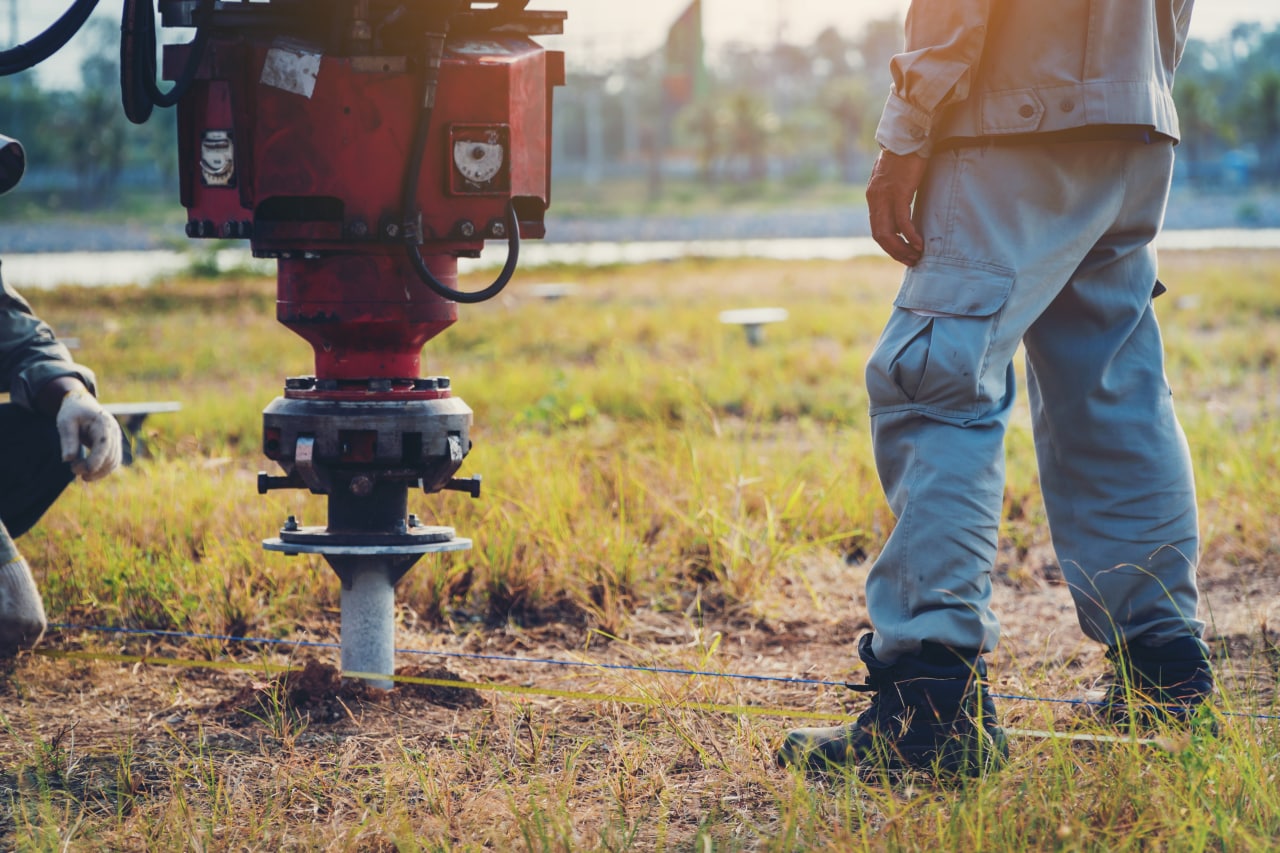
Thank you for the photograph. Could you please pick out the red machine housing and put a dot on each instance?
(305, 154)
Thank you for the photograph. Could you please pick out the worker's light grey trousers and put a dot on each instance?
(1048, 246)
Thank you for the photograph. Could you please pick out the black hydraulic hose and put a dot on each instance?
(49, 42)
(138, 89)
(409, 195)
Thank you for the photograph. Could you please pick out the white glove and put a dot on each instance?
(83, 422)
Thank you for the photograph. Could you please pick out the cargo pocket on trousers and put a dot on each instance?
(934, 351)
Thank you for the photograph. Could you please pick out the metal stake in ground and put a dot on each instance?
(369, 574)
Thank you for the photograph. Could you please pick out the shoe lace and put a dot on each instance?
(886, 713)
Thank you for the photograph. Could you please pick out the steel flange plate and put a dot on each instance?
(318, 540)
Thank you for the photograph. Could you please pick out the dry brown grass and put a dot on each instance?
(710, 508)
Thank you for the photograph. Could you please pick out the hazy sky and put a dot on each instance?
(600, 31)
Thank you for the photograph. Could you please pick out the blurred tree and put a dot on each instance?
(97, 129)
(880, 41)
(1198, 116)
(751, 123)
(1265, 113)
(705, 123)
(832, 54)
(850, 107)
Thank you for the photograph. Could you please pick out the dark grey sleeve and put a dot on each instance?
(30, 355)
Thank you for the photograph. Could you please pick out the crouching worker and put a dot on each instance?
(54, 430)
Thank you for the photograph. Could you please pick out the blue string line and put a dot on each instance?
(468, 655)
(314, 644)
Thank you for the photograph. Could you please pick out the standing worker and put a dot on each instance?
(53, 429)
(1026, 158)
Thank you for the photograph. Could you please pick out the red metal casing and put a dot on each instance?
(318, 158)
(365, 315)
(344, 145)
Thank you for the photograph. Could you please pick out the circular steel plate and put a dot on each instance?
(366, 550)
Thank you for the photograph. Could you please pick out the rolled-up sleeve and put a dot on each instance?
(30, 355)
(945, 40)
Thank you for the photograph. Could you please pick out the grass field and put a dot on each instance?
(658, 494)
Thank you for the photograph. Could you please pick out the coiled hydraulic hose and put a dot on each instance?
(49, 42)
(138, 90)
(409, 193)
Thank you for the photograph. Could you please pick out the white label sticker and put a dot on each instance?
(292, 69)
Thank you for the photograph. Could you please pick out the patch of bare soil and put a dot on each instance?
(318, 694)
(100, 738)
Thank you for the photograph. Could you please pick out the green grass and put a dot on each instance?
(686, 197)
(656, 491)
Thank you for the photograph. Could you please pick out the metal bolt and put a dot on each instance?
(291, 524)
(392, 229)
(359, 228)
(401, 526)
(498, 229)
(361, 485)
(467, 228)
(413, 521)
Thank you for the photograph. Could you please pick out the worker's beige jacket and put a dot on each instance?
(979, 68)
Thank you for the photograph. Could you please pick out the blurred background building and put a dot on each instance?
(673, 105)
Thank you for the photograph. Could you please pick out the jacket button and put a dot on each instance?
(1066, 105)
(1026, 111)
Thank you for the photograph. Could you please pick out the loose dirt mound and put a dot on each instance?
(438, 694)
(319, 694)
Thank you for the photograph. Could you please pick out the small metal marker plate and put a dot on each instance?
(753, 316)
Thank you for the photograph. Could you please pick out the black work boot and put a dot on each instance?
(1158, 684)
(931, 711)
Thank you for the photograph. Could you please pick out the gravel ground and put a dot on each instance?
(1252, 209)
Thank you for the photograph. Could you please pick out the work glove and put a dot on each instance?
(82, 422)
(22, 620)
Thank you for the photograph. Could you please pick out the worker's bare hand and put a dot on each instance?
(82, 422)
(890, 194)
